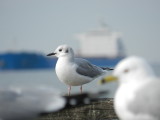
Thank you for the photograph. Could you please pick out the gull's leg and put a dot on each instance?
(81, 89)
(69, 90)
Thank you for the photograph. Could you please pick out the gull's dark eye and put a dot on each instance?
(60, 50)
(126, 70)
(67, 51)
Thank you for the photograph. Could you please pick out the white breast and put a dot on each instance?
(63, 70)
(124, 95)
(66, 72)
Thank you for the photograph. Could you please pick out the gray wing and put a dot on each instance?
(147, 100)
(28, 103)
(87, 69)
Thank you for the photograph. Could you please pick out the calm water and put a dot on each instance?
(49, 78)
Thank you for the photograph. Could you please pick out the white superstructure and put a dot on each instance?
(101, 43)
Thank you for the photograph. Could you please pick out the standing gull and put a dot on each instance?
(75, 71)
(138, 95)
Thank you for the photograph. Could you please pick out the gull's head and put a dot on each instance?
(131, 69)
(63, 51)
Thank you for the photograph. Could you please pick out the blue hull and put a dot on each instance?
(17, 61)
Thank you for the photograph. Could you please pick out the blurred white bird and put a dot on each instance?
(24, 103)
(138, 94)
(75, 71)
(27, 103)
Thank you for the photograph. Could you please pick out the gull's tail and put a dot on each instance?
(107, 68)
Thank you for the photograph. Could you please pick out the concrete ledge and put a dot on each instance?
(101, 109)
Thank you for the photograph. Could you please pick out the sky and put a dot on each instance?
(42, 25)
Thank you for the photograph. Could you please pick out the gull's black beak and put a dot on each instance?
(50, 54)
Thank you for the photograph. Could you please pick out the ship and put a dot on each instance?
(25, 60)
(101, 47)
